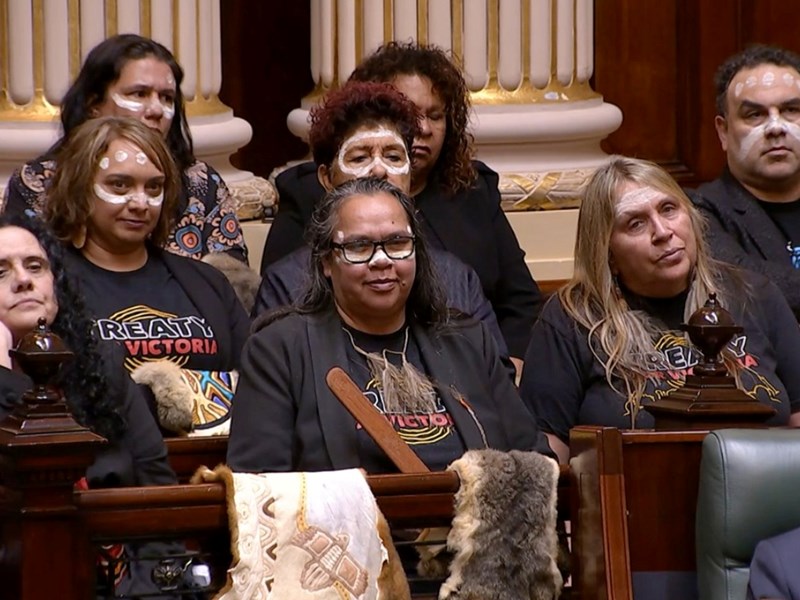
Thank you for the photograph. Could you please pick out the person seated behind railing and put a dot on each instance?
(111, 200)
(133, 76)
(366, 129)
(457, 198)
(374, 309)
(773, 572)
(98, 391)
(610, 341)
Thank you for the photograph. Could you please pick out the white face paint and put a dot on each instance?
(137, 107)
(116, 199)
(635, 198)
(776, 125)
(768, 79)
(104, 162)
(379, 258)
(141, 158)
(365, 170)
(120, 156)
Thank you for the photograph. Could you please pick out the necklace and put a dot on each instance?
(404, 389)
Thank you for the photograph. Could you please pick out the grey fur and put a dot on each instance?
(504, 532)
(244, 280)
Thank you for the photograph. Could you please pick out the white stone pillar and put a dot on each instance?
(527, 64)
(43, 42)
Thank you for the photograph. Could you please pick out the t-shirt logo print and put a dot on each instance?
(149, 334)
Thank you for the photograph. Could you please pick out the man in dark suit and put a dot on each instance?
(773, 570)
(753, 209)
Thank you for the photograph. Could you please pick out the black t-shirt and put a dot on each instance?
(565, 384)
(433, 436)
(149, 314)
(786, 216)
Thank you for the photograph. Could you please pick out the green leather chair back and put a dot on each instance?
(749, 490)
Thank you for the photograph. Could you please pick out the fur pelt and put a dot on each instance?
(244, 280)
(503, 534)
(174, 402)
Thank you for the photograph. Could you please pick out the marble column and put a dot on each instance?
(43, 42)
(527, 63)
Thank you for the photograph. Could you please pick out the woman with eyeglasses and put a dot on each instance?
(375, 309)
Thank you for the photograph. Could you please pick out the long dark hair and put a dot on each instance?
(83, 379)
(102, 67)
(426, 302)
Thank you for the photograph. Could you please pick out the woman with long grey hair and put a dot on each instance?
(610, 341)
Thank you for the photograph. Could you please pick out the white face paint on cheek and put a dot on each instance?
(633, 199)
(365, 170)
(125, 104)
(117, 199)
(774, 126)
(169, 111)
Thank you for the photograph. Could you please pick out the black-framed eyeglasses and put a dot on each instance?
(361, 251)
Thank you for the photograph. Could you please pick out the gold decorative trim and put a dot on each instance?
(4, 52)
(111, 18)
(527, 93)
(37, 13)
(422, 21)
(493, 41)
(200, 106)
(547, 190)
(388, 21)
(359, 23)
(457, 28)
(74, 33)
(145, 18)
(38, 110)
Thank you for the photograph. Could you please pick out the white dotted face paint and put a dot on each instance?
(768, 79)
(634, 199)
(120, 156)
(124, 199)
(104, 162)
(141, 158)
(392, 167)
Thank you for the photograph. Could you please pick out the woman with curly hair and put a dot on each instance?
(457, 198)
(611, 343)
(133, 76)
(34, 284)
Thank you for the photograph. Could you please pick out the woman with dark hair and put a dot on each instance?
(374, 308)
(133, 76)
(457, 198)
(34, 284)
(366, 129)
(610, 342)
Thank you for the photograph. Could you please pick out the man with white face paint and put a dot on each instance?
(753, 209)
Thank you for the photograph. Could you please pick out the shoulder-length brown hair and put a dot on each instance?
(71, 195)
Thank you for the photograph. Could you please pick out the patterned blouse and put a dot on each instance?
(207, 221)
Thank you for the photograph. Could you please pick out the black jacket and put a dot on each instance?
(471, 225)
(284, 417)
(742, 233)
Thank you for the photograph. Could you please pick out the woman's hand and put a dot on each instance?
(6, 344)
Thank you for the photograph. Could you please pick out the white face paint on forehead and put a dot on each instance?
(635, 198)
(120, 156)
(364, 170)
(104, 162)
(768, 79)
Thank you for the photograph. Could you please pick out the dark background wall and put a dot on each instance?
(653, 59)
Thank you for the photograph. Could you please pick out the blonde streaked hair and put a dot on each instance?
(623, 339)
